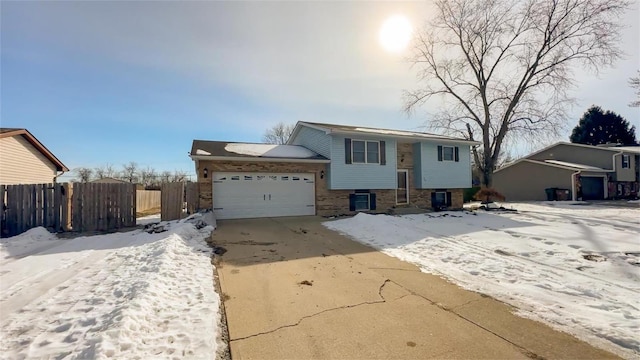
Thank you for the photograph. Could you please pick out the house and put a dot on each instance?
(327, 169)
(587, 172)
(25, 160)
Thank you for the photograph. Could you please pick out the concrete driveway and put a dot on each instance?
(293, 289)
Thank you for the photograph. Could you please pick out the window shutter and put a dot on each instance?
(439, 152)
(347, 151)
(352, 202)
(372, 201)
(433, 199)
(383, 154)
(449, 198)
(457, 154)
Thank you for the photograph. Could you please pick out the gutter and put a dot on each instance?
(258, 159)
(395, 136)
(55, 178)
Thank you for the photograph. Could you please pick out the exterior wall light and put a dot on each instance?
(205, 172)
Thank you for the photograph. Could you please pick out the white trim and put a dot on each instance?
(406, 171)
(366, 152)
(257, 159)
(445, 196)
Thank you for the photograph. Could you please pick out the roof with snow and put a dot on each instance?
(575, 166)
(362, 130)
(204, 149)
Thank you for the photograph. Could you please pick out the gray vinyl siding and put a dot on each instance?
(526, 181)
(22, 163)
(417, 165)
(314, 139)
(576, 154)
(362, 176)
(627, 174)
(444, 174)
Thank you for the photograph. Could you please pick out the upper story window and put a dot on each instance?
(448, 153)
(364, 152)
(626, 162)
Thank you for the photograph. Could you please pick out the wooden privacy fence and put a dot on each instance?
(103, 206)
(28, 206)
(147, 199)
(192, 197)
(172, 201)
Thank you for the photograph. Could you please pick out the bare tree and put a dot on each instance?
(179, 176)
(105, 171)
(503, 67)
(165, 176)
(148, 176)
(84, 174)
(634, 82)
(278, 134)
(130, 172)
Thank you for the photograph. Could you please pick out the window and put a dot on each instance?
(362, 202)
(365, 152)
(441, 198)
(447, 153)
(626, 162)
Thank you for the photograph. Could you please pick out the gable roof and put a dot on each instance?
(556, 164)
(362, 130)
(223, 150)
(9, 132)
(578, 146)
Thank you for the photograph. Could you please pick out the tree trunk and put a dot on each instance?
(487, 173)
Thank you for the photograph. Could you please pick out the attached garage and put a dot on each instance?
(242, 180)
(239, 195)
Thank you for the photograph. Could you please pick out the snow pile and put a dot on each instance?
(122, 295)
(576, 268)
(26, 243)
(269, 150)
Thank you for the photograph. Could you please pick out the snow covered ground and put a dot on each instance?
(122, 295)
(575, 267)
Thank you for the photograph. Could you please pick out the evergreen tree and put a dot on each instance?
(601, 127)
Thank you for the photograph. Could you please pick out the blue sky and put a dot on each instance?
(113, 82)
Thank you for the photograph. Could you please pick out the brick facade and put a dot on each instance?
(328, 202)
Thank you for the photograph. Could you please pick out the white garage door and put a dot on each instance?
(251, 195)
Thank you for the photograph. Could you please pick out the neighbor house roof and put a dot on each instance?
(8, 132)
(557, 164)
(223, 150)
(632, 149)
(362, 130)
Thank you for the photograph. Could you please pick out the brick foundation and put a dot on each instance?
(328, 202)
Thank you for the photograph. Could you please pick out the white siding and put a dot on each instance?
(22, 163)
(362, 176)
(314, 139)
(444, 174)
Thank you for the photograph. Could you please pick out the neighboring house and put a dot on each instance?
(329, 169)
(24, 160)
(588, 172)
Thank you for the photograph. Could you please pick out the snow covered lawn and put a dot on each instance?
(122, 295)
(575, 267)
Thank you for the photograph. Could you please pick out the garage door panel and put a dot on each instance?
(250, 195)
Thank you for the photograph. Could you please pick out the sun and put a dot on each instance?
(395, 33)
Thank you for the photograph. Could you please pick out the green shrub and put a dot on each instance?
(468, 193)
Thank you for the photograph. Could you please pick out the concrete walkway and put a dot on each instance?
(296, 290)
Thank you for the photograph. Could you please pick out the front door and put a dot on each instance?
(402, 191)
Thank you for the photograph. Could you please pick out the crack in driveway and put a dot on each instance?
(382, 300)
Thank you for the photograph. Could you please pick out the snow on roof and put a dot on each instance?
(574, 165)
(629, 149)
(402, 133)
(202, 152)
(270, 150)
